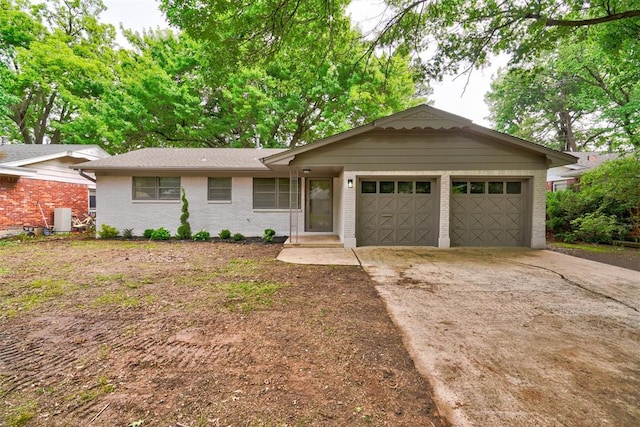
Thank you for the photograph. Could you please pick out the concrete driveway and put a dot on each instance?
(517, 337)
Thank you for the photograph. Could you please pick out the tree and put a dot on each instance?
(157, 97)
(273, 88)
(54, 62)
(458, 32)
(581, 95)
(184, 230)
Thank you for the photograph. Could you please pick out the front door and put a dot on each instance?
(319, 208)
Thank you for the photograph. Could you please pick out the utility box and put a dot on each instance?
(62, 220)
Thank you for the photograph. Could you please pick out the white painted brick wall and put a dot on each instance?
(115, 207)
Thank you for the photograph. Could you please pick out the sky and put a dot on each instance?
(449, 95)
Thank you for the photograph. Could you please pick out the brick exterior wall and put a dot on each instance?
(19, 198)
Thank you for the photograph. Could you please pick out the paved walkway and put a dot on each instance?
(320, 256)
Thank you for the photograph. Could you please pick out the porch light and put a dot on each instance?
(349, 183)
(306, 171)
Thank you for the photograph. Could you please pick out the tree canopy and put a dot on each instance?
(583, 94)
(65, 81)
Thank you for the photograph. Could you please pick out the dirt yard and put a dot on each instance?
(137, 333)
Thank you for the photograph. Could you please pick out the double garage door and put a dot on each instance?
(399, 211)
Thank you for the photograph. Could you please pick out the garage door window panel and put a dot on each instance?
(496, 187)
(476, 187)
(459, 187)
(387, 187)
(514, 187)
(423, 187)
(405, 187)
(369, 187)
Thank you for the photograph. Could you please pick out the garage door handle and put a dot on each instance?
(386, 215)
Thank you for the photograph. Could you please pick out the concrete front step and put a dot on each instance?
(322, 241)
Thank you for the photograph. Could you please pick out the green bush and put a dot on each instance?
(598, 228)
(148, 232)
(184, 230)
(268, 235)
(202, 236)
(127, 233)
(224, 234)
(562, 208)
(160, 234)
(107, 232)
(237, 237)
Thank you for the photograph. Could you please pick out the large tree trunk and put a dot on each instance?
(41, 125)
(566, 131)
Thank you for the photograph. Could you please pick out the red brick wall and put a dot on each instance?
(19, 198)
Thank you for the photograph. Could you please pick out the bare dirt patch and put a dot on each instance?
(196, 334)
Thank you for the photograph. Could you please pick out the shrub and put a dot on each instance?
(184, 230)
(202, 236)
(562, 208)
(224, 234)
(237, 237)
(268, 235)
(148, 232)
(107, 232)
(160, 234)
(127, 233)
(597, 228)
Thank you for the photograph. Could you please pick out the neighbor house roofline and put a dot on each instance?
(75, 151)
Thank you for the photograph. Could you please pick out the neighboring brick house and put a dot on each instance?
(39, 176)
(418, 177)
(566, 176)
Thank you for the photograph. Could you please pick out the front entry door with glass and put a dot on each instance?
(319, 208)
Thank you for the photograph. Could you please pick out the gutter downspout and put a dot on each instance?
(84, 175)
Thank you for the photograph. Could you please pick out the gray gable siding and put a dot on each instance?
(421, 150)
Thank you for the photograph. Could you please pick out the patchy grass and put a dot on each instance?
(589, 247)
(101, 387)
(20, 415)
(120, 299)
(249, 296)
(33, 294)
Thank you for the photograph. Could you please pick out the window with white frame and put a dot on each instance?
(156, 188)
(273, 193)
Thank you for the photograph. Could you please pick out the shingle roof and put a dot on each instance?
(20, 152)
(587, 161)
(185, 159)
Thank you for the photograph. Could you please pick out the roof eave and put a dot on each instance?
(554, 157)
(16, 171)
(39, 159)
